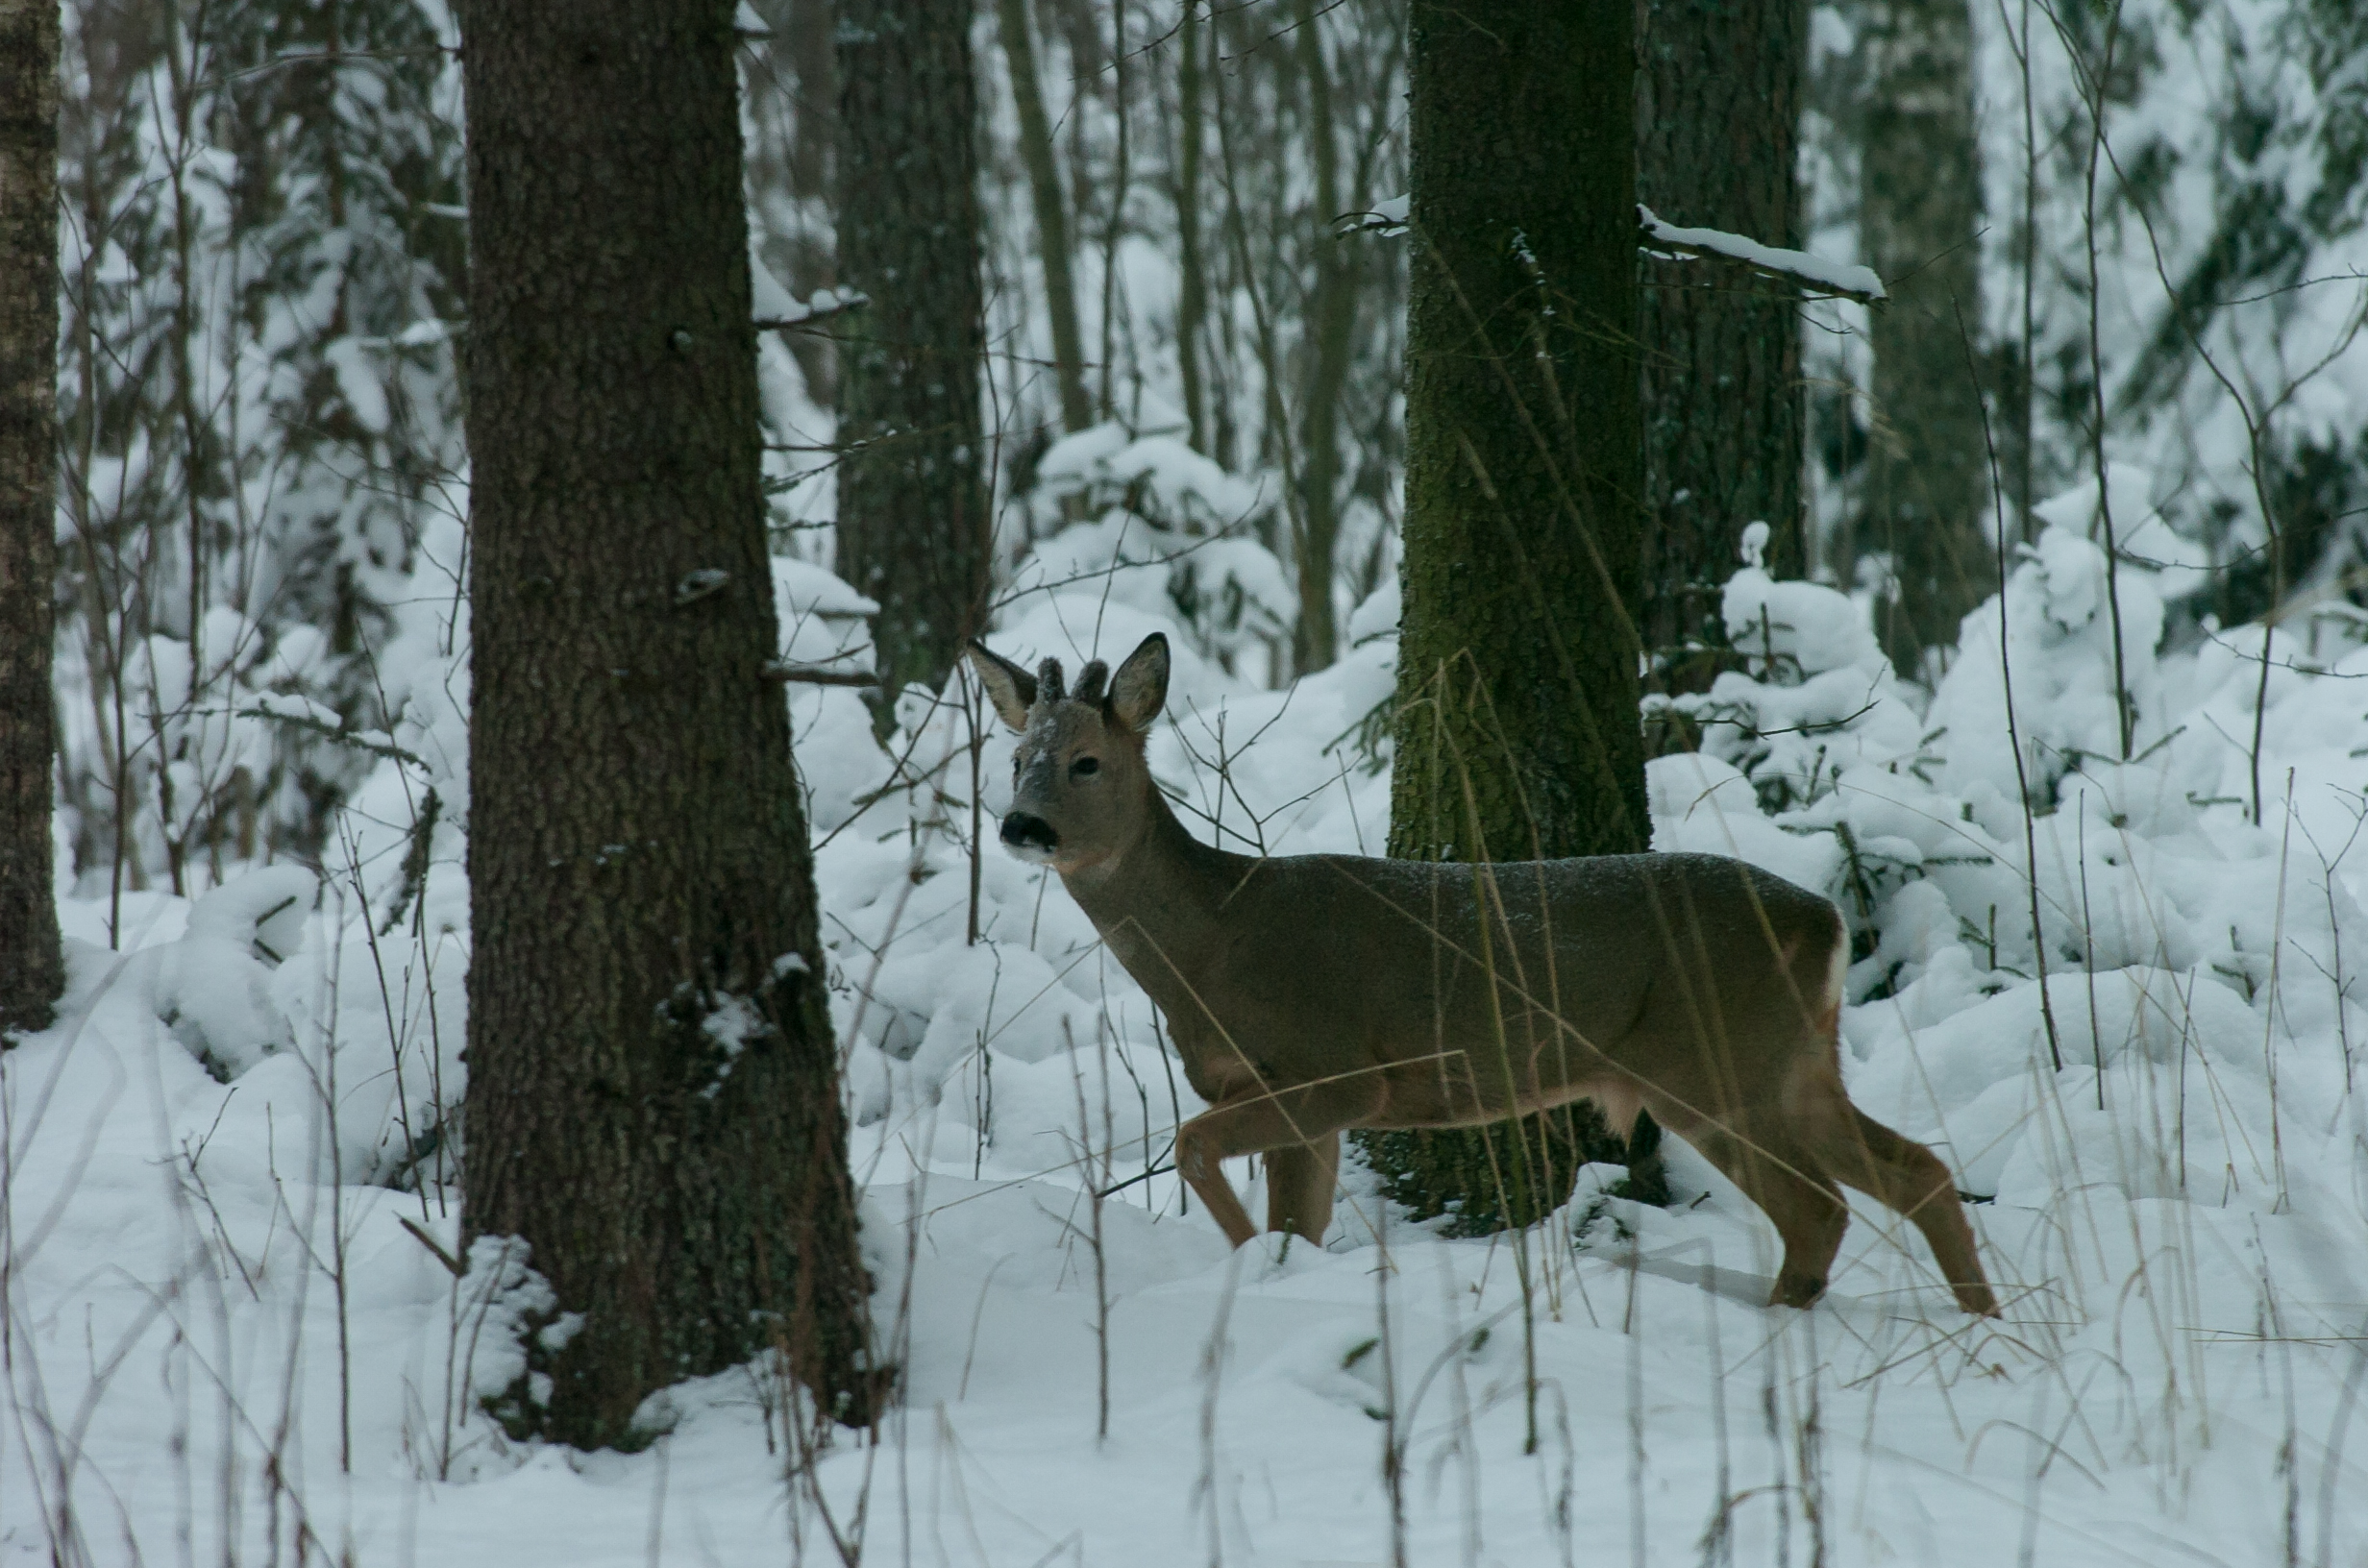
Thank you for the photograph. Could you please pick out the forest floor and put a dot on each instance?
(231, 1335)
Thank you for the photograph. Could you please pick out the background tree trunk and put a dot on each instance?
(1919, 220)
(1516, 731)
(1331, 317)
(1043, 180)
(791, 165)
(651, 1101)
(915, 531)
(1718, 108)
(1191, 305)
(32, 971)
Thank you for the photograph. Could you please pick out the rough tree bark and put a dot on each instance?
(32, 970)
(1718, 106)
(1516, 731)
(915, 532)
(1920, 216)
(651, 1101)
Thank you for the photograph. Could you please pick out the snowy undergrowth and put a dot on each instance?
(232, 1232)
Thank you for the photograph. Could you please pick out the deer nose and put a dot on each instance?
(1022, 831)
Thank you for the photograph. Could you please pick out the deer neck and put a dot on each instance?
(1160, 898)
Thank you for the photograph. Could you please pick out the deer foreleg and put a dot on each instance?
(1299, 1182)
(1282, 1120)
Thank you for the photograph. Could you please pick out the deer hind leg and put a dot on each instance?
(1286, 1119)
(1300, 1178)
(1792, 1189)
(1905, 1175)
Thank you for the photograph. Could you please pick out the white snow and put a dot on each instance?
(1387, 218)
(2141, 536)
(775, 305)
(2176, 1212)
(769, 300)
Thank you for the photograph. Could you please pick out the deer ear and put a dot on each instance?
(1139, 686)
(1011, 688)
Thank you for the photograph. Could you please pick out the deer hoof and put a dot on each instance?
(1796, 1291)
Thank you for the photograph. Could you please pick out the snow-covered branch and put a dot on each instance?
(1828, 280)
(1820, 278)
(824, 304)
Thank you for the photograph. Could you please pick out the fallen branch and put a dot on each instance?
(452, 1264)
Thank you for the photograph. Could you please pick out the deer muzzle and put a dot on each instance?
(1029, 836)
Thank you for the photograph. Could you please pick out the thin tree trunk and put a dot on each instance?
(1718, 106)
(1919, 220)
(1192, 307)
(1115, 214)
(1516, 733)
(915, 531)
(1043, 181)
(1331, 317)
(803, 55)
(651, 1100)
(32, 971)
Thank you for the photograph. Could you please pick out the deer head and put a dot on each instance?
(1080, 787)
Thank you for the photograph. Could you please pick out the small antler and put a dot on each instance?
(1090, 680)
(1048, 687)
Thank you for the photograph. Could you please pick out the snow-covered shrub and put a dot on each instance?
(1165, 530)
(2177, 946)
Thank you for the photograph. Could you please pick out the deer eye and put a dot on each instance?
(1084, 767)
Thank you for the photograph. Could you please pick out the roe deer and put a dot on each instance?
(1310, 993)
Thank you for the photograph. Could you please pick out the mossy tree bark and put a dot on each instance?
(32, 971)
(1718, 106)
(1516, 732)
(914, 528)
(1920, 215)
(651, 1100)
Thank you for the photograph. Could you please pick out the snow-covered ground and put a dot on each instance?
(232, 1336)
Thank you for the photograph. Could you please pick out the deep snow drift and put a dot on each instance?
(232, 1334)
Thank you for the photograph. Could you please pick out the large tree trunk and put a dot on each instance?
(1719, 104)
(651, 1102)
(1516, 734)
(32, 971)
(1919, 223)
(914, 528)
